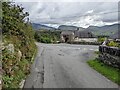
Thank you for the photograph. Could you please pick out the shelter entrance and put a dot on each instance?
(66, 38)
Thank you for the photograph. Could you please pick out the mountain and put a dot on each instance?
(67, 27)
(104, 30)
(116, 35)
(40, 26)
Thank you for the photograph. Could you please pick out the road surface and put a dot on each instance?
(64, 66)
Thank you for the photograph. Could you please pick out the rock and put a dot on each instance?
(22, 84)
(19, 55)
(109, 59)
(2, 47)
(1, 72)
(0, 82)
(10, 48)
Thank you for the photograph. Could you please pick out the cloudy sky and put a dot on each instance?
(71, 12)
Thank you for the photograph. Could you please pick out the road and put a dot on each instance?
(64, 66)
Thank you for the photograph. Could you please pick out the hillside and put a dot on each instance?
(42, 27)
(104, 30)
(65, 27)
(116, 35)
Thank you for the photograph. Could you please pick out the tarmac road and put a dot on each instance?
(64, 66)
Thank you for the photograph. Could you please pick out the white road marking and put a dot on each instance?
(84, 48)
(91, 49)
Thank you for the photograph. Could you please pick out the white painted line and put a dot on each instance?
(91, 49)
(0, 82)
(84, 48)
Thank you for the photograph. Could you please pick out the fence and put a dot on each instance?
(110, 55)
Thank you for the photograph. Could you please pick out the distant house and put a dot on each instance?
(67, 36)
(77, 36)
(85, 36)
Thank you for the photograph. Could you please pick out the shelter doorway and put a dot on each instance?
(66, 38)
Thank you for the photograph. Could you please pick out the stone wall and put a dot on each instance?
(85, 43)
(86, 39)
(110, 55)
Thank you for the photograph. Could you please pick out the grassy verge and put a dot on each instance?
(108, 71)
(97, 52)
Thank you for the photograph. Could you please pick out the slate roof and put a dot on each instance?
(67, 33)
(84, 34)
(79, 34)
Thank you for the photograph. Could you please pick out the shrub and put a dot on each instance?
(45, 40)
(47, 36)
(101, 39)
(113, 44)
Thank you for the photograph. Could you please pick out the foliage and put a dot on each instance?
(47, 36)
(16, 30)
(101, 39)
(45, 40)
(97, 52)
(108, 71)
(113, 44)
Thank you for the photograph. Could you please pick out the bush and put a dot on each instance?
(45, 40)
(101, 39)
(113, 44)
(47, 36)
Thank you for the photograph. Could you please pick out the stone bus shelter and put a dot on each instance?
(67, 36)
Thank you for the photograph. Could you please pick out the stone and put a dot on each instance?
(10, 48)
(22, 83)
(2, 47)
(109, 59)
(19, 55)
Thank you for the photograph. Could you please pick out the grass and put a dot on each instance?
(108, 71)
(96, 52)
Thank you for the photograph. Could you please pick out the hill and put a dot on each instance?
(65, 27)
(116, 35)
(42, 27)
(104, 30)
(68, 27)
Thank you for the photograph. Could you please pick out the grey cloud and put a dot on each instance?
(63, 12)
(41, 9)
(112, 18)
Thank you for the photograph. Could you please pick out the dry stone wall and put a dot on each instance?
(110, 55)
